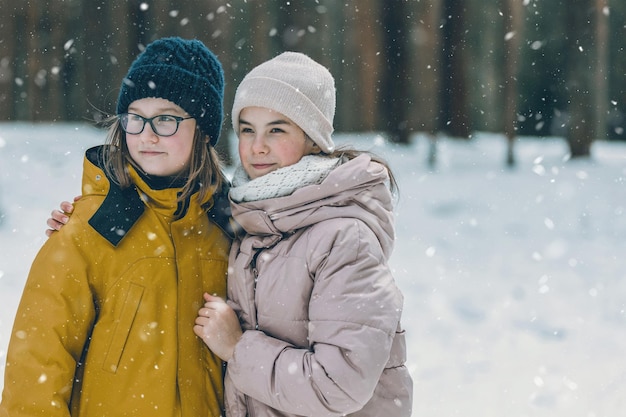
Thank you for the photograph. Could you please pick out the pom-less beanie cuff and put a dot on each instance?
(296, 86)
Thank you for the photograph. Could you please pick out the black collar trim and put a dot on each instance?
(120, 209)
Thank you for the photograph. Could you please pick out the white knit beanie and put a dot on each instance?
(298, 87)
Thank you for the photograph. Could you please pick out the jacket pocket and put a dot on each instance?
(122, 329)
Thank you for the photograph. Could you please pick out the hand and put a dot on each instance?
(59, 218)
(218, 326)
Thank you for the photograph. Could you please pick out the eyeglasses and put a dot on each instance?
(162, 125)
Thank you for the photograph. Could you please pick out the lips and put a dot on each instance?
(261, 166)
(151, 153)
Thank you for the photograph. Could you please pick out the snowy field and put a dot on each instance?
(514, 280)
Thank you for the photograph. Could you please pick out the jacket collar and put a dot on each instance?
(355, 189)
(121, 208)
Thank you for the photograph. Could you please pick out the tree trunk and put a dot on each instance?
(513, 25)
(602, 68)
(365, 67)
(32, 60)
(395, 76)
(7, 60)
(581, 30)
(455, 119)
(425, 71)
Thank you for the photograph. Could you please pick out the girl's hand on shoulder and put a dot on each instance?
(218, 326)
(59, 218)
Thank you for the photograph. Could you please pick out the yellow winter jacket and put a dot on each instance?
(105, 324)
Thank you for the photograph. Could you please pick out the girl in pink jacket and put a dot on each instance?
(312, 322)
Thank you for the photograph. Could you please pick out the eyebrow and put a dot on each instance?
(272, 123)
(159, 111)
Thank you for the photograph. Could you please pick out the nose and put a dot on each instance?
(148, 134)
(259, 144)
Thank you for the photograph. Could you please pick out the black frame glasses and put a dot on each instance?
(157, 123)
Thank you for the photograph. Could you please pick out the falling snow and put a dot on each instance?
(514, 280)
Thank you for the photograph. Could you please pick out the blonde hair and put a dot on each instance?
(204, 175)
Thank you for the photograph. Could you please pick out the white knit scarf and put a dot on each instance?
(311, 169)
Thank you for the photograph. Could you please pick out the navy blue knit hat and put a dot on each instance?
(184, 72)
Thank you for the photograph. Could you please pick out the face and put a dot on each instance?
(269, 140)
(160, 155)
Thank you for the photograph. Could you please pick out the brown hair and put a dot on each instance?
(351, 153)
(204, 175)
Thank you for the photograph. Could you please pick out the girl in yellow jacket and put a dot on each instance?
(105, 324)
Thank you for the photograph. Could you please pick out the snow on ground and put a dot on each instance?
(514, 280)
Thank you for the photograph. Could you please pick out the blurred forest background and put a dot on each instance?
(439, 67)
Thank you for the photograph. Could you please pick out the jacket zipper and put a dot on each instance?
(255, 273)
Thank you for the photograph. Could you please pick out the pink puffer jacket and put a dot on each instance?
(320, 307)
